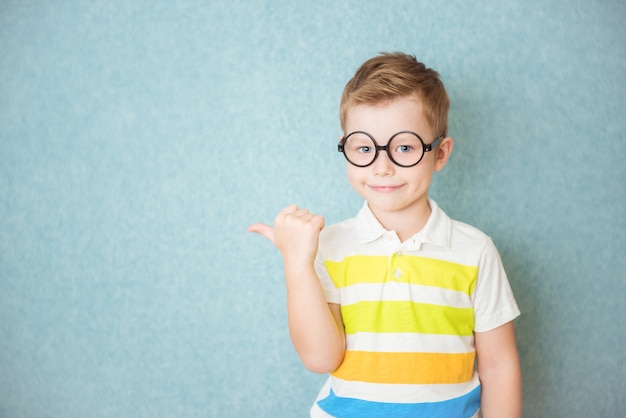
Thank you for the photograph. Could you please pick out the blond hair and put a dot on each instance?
(392, 75)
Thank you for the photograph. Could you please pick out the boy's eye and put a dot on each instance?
(364, 149)
(405, 143)
(404, 149)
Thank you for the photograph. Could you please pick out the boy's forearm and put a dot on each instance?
(499, 372)
(316, 329)
(315, 333)
(501, 394)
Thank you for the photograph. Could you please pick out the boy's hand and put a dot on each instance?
(295, 234)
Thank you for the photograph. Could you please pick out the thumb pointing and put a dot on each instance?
(263, 229)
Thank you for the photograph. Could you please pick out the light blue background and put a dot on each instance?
(139, 139)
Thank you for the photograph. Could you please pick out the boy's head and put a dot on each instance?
(393, 75)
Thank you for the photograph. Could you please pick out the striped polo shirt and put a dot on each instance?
(410, 310)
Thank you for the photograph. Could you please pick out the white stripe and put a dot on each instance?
(409, 343)
(316, 411)
(395, 291)
(396, 393)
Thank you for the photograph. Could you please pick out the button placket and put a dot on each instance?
(394, 268)
(397, 273)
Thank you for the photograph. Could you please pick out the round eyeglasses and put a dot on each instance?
(405, 148)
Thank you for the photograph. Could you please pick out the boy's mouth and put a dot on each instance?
(383, 188)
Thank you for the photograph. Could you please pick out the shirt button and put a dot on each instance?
(399, 254)
(397, 273)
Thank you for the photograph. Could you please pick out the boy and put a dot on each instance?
(409, 311)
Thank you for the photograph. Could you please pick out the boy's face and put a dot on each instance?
(388, 188)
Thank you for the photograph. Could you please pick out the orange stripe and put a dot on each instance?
(406, 368)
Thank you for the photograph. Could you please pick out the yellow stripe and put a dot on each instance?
(406, 316)
(406, 368)
(415, 270)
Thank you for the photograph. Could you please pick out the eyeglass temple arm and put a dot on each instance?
(429, 147)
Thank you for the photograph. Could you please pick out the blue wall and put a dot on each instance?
(139, 139)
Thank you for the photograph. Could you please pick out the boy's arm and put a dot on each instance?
(499, 372)
(315, 326)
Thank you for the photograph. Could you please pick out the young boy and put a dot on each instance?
(409, 311)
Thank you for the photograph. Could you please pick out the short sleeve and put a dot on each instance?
(330, 290)
(494, 303)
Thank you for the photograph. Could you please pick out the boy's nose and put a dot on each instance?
(382, 165)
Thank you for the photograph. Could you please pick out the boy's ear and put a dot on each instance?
(442, 152)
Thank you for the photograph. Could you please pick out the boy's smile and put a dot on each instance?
(384, 189)
(398, 196)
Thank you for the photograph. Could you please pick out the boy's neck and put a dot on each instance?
(407, 222)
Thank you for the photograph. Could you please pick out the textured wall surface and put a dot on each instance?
(138, 139)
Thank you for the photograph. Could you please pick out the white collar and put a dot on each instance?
(436, 231)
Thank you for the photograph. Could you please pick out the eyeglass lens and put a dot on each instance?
(405, 149)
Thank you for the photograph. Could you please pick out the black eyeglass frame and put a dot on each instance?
(426, 147)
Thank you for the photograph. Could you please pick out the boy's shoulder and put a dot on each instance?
(363, 227)
(470, 245)
(346, 231)
(464, 231)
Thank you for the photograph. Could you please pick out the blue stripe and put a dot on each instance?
(465, 406)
